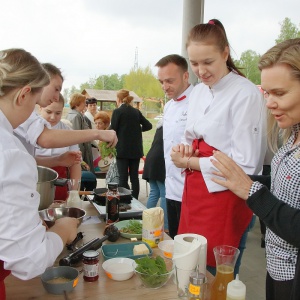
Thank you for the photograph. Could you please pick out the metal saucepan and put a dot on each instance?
(100, 193)
(47, 180)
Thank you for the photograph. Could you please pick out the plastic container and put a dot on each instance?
(236, 290)
(122, 250)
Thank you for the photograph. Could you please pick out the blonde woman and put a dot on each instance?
(279, 206)
(26, 247)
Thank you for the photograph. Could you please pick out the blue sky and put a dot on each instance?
(88, 38)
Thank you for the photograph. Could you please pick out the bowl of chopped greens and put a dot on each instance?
(130, 228)
(154, 272)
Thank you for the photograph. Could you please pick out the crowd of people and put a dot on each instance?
(206, 158)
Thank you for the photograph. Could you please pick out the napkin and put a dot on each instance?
(189, 254)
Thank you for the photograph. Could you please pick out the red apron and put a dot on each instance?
(221, 217)
(61, 192)
(3, 274)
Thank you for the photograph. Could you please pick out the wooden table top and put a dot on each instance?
(104, 288)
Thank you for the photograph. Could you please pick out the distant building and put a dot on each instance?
(105, 97)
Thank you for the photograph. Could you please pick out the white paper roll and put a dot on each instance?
(190, 251)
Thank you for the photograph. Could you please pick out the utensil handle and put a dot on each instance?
(85, 193)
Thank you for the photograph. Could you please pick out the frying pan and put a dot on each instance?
(99, 195)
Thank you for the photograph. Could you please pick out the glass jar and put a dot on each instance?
(112, 203)
(90, 261)
(197, 286)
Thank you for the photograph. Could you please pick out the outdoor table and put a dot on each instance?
(104, 288)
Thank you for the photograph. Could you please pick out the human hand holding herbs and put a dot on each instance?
(106, 151)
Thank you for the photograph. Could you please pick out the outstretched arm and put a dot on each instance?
(66, 159)
(57, 138)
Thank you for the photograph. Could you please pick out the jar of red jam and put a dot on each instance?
(90, 261)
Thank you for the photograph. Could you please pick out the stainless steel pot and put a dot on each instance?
(46, 186)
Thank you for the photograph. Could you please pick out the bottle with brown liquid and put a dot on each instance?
(112, 203)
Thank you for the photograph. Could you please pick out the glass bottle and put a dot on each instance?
(197, 286)
(90, 260)
(74, 199)
(112, 203)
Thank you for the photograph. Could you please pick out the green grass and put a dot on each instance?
(148, 136)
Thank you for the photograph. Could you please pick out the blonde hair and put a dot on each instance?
(123, 96)
(19, 68)
(76, 99)
(104, 117)
(288, 53)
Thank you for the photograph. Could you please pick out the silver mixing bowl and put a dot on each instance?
(50, 215)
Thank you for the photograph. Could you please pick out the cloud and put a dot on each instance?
(88, 38)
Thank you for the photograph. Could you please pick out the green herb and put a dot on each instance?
(133, 227)
(106, 151)
(154, 270)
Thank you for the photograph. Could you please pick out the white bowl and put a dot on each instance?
(119, 268)
(167, 248)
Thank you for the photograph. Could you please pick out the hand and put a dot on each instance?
(181, 153)
(69, 158)
(66, 228)
(108, 136)
(236, 181)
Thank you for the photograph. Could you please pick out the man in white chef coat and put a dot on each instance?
(174, 78)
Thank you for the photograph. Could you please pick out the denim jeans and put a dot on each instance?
(158, 190)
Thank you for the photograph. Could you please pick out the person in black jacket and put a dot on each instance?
(129, 123)
(155, 173)
(276, 199)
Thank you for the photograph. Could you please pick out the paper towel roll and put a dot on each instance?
(190, 250)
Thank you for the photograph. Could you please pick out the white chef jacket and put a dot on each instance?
(231, 117)
(91, 118)
(25, 246)
(30, 130)
(174, 120)
(57, 151)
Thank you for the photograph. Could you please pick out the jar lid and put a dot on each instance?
(90, 254)
(197, 278)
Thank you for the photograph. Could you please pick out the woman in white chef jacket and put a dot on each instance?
(52, 114)
(26, 247)
(226, 112)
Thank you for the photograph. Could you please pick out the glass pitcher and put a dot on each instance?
(226, 257)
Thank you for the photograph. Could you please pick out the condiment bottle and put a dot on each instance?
(197, 286)
(112, 203)
(90, 261)
(74, 199)
(236, 290)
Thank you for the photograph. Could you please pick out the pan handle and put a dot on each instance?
(85, 193)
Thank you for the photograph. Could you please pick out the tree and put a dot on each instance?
(143, 83)
(248, 64)
(288, 31)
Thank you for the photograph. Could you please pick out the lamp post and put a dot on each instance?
(193, 11)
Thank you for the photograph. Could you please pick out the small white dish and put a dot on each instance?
(167, 248)
(119, 268)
